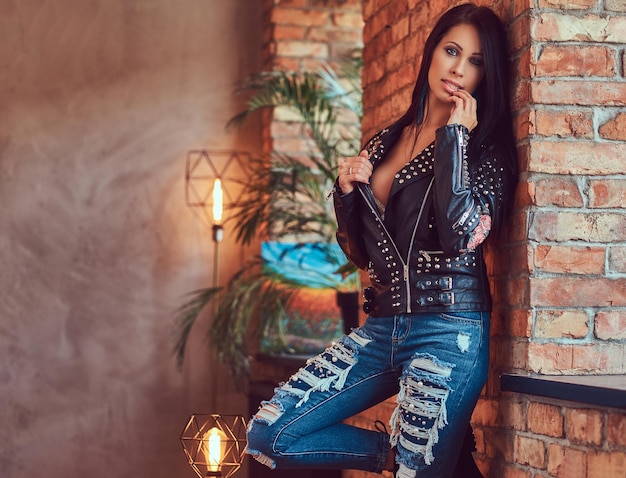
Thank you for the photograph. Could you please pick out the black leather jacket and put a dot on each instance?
(424, 253)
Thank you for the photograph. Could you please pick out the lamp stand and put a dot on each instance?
(218, 236)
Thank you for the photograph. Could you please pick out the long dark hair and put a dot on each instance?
(493, 93)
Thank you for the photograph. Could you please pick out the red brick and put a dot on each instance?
(347, 20)
(567, 4)
(379, 23)
(518, 292)
(315, 34)
(294, 16)
(606, 464)
(545, 419)
(394, 58)
(285, 64)
(519, 33)
(575, 92)
(369, 8)
(344, 36)
(549, 358)
(511, 472)
(615, 128)
(286, 129)
(556, 191)
(313, 64)
(588, 28)
(521, 95)
(576, 157)
(486, 412)
(607, 193)
(584, 426)
(530, 451)
(282, 32)
(616, 428)
(520, 323)
(570, 226)
(578, 292)
(295, 145)
(566, 462)
(569, 259)
(558, 324)
(524, 124)
(301, 49)
(615, 5)
(291, 3)
(610, 325)
(514, 415)
(518, 355)
(503, 445)
(595, 359)
(576, 61)
(563, 123)
(400, 30)
(374, 73)
(521, 6)
(617, 259)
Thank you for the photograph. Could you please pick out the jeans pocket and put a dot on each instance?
(464, 317)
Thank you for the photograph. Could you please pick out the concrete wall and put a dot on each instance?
(99, 102)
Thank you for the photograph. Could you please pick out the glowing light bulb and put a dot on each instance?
(214, 449)
(218, 198)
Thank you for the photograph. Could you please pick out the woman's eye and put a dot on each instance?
(476, 61)
(451, 51)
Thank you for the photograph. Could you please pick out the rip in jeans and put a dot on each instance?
(421, 410)
(328, 369)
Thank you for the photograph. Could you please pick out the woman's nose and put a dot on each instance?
(457, 68)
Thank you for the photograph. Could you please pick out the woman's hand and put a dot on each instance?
(354, 169)
(464, 109)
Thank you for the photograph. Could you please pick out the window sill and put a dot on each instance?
(601, 390)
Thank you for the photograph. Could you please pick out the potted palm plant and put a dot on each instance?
(285, 201)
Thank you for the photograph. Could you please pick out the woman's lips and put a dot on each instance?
(451, 87)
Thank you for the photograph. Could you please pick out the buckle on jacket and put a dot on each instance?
(440, 283)
(441, 298)
(447, 298)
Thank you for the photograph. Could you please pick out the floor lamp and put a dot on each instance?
(213, 444)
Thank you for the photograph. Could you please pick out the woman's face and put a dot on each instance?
(457, 63)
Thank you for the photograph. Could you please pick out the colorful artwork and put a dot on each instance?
(312, 318)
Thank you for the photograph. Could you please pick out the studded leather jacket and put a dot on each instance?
(423, 251)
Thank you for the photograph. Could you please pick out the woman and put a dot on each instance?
(414, 209)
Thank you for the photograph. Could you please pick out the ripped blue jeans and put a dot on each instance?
(435, 363)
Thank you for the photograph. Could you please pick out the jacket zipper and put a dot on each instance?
(459, 144)
(405, 264)
(466, 214)
(427, 254)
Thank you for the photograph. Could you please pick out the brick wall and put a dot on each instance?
(560, 280)
(305, 35)
(566, 300)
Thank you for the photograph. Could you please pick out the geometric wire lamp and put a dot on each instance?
(214, 444)
(204, 168)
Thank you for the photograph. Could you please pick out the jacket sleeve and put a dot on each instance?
(349, 234)
(465, 201)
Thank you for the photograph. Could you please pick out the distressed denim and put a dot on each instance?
(435, 363)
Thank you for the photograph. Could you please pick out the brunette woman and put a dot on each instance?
(413, 209)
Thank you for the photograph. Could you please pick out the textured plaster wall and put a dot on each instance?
(99, 102)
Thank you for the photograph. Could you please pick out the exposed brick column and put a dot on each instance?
(304, 35)
(560, 278)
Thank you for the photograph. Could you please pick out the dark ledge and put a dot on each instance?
(601, 390)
